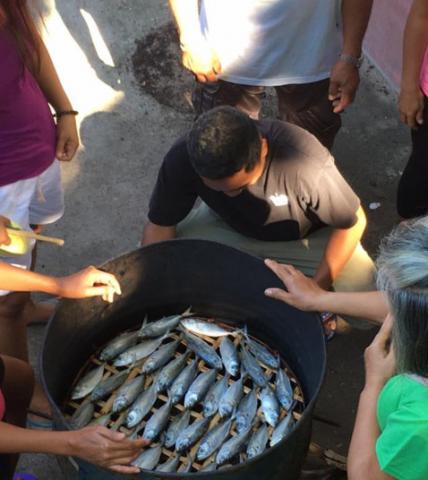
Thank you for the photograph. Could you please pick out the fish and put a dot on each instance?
(202, 327)
(162, 326)
(282, 430)
(232, 447)
(141, 406)
(118, 345)
(199, 388)
(188, 466)
(169, 373)
(109, 385)
(253, 368)
(203, 350)
(157, 422)
(190, 435)
(270, 406)
(182, 383)
(102, 420)
(211, 467)
(160, 357)
(283, 389)
(258, 441)
(148, 459)
(213, 440)
(82, 416)
(246, 412)
(86, 384)
(138, 352)
(229, 356)
(262, 354)
(213, 397)
(127, 393)
(170, 466)
(230, 400)
(176, 426)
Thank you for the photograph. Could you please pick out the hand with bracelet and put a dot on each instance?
(67, 136)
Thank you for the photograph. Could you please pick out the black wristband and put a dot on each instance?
(65, 112)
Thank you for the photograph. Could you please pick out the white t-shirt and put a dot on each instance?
(273, 42)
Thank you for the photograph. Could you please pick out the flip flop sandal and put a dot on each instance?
(38, 421)
(329, 322)
(24, 476)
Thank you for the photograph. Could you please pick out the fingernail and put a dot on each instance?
(268, 292)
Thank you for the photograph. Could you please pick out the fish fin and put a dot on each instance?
(188, 312)
(143, 325)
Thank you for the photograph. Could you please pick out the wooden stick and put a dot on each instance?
(35, 236)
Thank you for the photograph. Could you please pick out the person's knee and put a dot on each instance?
(12, 307)
(18, 384)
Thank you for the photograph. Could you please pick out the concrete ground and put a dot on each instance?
(118, 62)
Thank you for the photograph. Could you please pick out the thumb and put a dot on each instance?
(333, 90)
(420, 116)
(60, 148)
(277, 294)
(216, 65)
(105, 291)
(113, 435)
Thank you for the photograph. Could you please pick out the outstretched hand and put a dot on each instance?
(301, 291)
(89, 282)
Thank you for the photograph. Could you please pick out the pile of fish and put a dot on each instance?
(216, 406)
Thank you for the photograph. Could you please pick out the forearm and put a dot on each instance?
(20, 440)
(20, 280)
(338, 251)
(355, 17)
(156, 233)
(368, 305)
(415, 44)
(186, 14)
(362, 460)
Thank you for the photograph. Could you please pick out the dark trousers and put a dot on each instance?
(412, 195)
(306, 105)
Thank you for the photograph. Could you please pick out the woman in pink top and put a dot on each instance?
(412, 198)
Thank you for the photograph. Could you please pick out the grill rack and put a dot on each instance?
(104, 406)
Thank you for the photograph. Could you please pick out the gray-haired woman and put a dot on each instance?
(390, 437)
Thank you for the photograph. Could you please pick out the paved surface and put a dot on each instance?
(127, 125)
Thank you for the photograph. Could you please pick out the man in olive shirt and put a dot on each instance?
(269, 188)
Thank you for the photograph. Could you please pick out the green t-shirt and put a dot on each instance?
(402, 411)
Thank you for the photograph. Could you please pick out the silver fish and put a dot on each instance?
(141, 407)
(169, 373)
(160, 357)
(282, 430)
(229, 355)
(202, 327)
(270, 406)
(246, 412)
(190, 435)
(138, 352)
(213, 440)
(177, 425)
(109, 385)
(214, 395)
(258, 441)
(211, 467)
(232, 447)
(203, 350)
(283, 389)
(230, 400)
(182, 383)
(262, 353)
(118, 345)
(82, 416)
(188, 466)
(199, 388)
(170, 466)
(149, 458)
(253, 368)
(158, 328)
(102, 420)
(87, 383)
(157, 422)
(128, 393)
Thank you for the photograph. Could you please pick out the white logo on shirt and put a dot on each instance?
(279, 199)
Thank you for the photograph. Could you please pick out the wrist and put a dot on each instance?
(373, 386)
(351, 59)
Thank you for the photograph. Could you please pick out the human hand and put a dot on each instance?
(411, 106)
(106, 448)
(379, 356)
(200, 59)
(89, 282)
(67, 138)
(302, 292)
(4, 236)
(344, 81)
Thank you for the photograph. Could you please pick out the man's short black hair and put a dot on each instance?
(222, 142)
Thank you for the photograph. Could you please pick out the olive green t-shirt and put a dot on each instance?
(402, 411)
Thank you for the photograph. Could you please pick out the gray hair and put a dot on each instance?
(402, 273)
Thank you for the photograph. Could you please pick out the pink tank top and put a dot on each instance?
(2, 406)
(424, 75)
